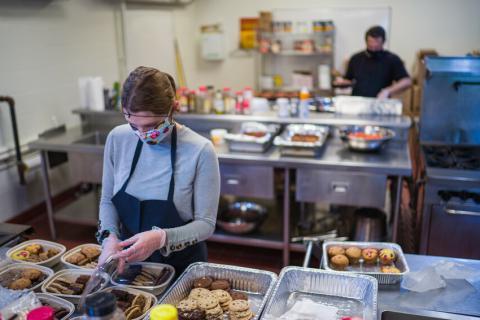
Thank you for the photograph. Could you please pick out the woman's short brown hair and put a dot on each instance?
(148, 89)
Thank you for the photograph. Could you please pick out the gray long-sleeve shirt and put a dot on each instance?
(197, 182)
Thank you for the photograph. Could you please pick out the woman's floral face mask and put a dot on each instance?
(155, 135)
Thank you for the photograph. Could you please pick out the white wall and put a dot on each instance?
(45, 46)
(450, 26)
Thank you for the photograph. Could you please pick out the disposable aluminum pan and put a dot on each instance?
(299, 148)
(362, 144)
(371, 270)
(353, 295)
(257, 284)
(243, 142)
(57, 303)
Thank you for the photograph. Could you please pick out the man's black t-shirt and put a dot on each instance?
(372, 73)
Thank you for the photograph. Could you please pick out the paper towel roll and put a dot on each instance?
(95, 94)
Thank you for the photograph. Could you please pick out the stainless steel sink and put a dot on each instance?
(94, 138)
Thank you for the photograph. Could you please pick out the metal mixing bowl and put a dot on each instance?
(242, 217)
(362, 144)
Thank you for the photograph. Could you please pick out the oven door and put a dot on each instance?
(454, 231)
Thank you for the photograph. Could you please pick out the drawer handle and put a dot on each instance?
(340, 187)
(454, 212)
(233, 182)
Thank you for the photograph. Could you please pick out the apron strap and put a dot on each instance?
(136, 156)
(173, 155)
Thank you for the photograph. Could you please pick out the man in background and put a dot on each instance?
(375, 72)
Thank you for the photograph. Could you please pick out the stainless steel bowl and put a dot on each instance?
(362, 144)
(242, 217)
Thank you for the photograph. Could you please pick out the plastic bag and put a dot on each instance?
(19, 308)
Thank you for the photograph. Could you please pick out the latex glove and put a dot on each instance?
(110, 247)
(384, 94)
(142, 245)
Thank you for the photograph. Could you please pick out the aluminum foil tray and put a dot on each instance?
(351, 294)
(371, 270)
(257, 284)
(298, 148)
(245, 143)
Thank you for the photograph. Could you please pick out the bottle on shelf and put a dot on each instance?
(228, 101)
(203, 102)
(304, 105)
(192, 101)
(239, 102)
(182, 96)
(218, 103)
(164, 312)
(102, 306)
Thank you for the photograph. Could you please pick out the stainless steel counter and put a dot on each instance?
(457, 298)
(393, 160)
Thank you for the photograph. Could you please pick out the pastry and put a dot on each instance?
(305, 138)
(208, 302)
(220, 284)
(34, 248)
(387, 256)
(236, 295)
(21, 255)
(370, 255)
(75, 258)
(335, 250)
(353, 254)
(390, 269)
(195, 314)
(34, 253)
(90, 252)
(198, 293)
(187, 305)
(133, 312)
(239, 306)
(203, 282)
(339, 262)
(20, 284)
(32, 274)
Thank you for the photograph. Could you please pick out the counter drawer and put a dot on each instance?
(340, 187)
(247, 181)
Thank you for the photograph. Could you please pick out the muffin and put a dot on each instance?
(370, 255)
(339, 262)
(387, 256)
(353, 254)
(390, 269)
(335, 251)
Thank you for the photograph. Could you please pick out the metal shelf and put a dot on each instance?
(294, 53)
(254, 240)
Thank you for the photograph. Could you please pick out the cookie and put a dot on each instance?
(32, 274)
(243, 314)
(220, 284)
(203, 282)
(215, 311)
(221, 295)
(239, 305)
(187, 305)
(199, 293)
(206, 303)
(236, 295)
(133, 312)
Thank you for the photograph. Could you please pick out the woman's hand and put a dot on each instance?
(111, 247)
(142, 245)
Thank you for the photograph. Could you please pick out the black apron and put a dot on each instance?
(137, 216)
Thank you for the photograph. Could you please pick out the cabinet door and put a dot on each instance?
(454, 231)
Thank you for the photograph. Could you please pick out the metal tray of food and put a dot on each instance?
(89, 260)
(373, 269)
(57, 304)
(70, 276)
(253, 137)
(365, 138)
(128, 302)
(163, 273)
(302, 139)
(256, 284)
(35, 249)
(17, 271)
(350, 294)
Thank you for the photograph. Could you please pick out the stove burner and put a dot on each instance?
(453, 157)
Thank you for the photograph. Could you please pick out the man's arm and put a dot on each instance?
(397, 87)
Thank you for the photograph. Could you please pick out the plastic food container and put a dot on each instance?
(257, 284)
(371, 270)
(154, 267)
(46, 245)
(136, 292)
(57, 302)
(351, 294)
(20, 266)
(65, 256)
(71, 275)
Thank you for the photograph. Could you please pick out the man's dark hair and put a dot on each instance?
(376, 32)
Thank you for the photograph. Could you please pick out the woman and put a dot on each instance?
(161, 180)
